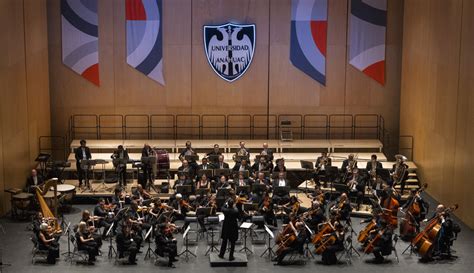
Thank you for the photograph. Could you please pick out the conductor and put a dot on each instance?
(230, 229)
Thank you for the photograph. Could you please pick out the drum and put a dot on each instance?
(22, 200)
(66, 190)
(49, 199)
(162, 160)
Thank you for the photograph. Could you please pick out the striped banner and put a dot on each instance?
(368, 25)
(80, 40)
(144, 37)
(309, 36)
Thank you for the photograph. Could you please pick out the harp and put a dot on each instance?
(45, 209)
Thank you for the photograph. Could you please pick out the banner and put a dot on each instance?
(309, 37)
(145, 37)
(80, 42)
(368, 25)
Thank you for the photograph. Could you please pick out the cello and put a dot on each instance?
(425, 240)
(365, 233)
(408, 225)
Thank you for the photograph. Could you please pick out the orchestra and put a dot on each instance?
(250, 191)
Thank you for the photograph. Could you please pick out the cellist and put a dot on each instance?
(447, 234)
(416, 209)
(329, 257)
(296, 245)
(381, 242)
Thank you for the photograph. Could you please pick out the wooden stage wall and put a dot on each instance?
(24, 90)
(437, 100)
(191, 85)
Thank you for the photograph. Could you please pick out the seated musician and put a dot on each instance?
(118, 199)
(33, 181)
(38, 219)
(86, 242)
(102, 210)
(301, 234)
(241, 181)
(281, 197)
(262, 166)
(165, 243)
(323, 161)
(293, 207)
(187, 168)
(447, 234)
(223, 183)
(142, 196)
(356, 186)
(216, 151)
(221, 164)
(316, 217)
(267, 152)
(203, 201)
(137, 218)
(47, 242)
(180, 206)
(266, 208)
(348, 165)
(126, 242)
(329, 257)
(81, 153)
(242, 166)
(399, 173)
(205, 164)
(188, 151)
(343, 208)
(121, 169)
(90, 221)
(415, 199)
(280, 165)
(382, 246)
(203, 182)
(241, 152)
(147, 151)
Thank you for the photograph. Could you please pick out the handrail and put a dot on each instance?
(62, 145)
(410, 147)
(249, 127)
(356, 126)
(173, 126)
(290, 116)
(343, 127)
(203, 117)
(121, 126)
(74, 126)
(147, 126)
(189, 127)
(270, 127)
(326, 126)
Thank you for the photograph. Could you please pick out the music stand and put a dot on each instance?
(211, 220)
(309, 167)
(102, 185)
(149, 251)
(191, 158)
(245, 189)
(259, 188)
(332, 173)
(109, 235)
(203, 191)
(239, 158)
(186, 250)
(307, 252)
(68, 254)
(213, 158)
(269, 246)
(257, 158)
(281, 191)
(207, 172)
(184, 190)
(245, 227)
(87, 164)
(120, 162)
(246, 173)
(221, 172)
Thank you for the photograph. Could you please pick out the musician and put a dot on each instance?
(205, 165)
(180, 206)
(242, 166)
(316, 216)
(36, 222)
(343, 208)
(399, 172)
(262, 166)
(241, 152)
(329, 257)
(230, 229)
(188, 151)
(203, 182)
(33, 181)
(216, 152)
(415, 199)
(183, 181)
(86, 242)
(293, 207)
(223, 183)
(241, 181)
(280, 197)
(104, 221)
(266, 208)
(373, 164)
(142, 196)
(297, 245)
(221, 164)
(447, 234)
(280, 165)
(46, 241)
(349, 164)
(383, 246)
(147, 151)
(323, 161)
(118, 199)
(267, 152)
(165, 243)
(120, 155)
(90, 221)
(126, 243)
(390, 204)
(356, 186)
(81, 153)
(186, 167)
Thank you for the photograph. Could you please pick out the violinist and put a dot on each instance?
(292, 207)
(240, 202)
(180, 206)
(223, 183)
(86, 242)
(342, 208)
(126, 242)
(119, 156)
(165, 243)
(142, 196)
(147, 151)
(267, 210)
(381, 242)
(47, 242)
(296, 245)
(328, 257)
(137, 219)
(91, 223)
(102, 210)
(118, 199)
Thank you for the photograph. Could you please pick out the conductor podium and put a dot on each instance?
(240, 260)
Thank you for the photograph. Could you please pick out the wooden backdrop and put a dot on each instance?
(191, 85)
(437, 100)
(24, 90)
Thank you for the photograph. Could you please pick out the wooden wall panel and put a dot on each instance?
(192, 86)
(436, 99)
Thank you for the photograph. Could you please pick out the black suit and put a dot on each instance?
(269, 153)
(237, 168)
(224, 165)
(369, 165)
(320, 159)
(345, 164)
(79, 155)
(121, 169)
(230, 230)
(30, 183)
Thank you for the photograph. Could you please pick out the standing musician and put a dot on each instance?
(102, 210)
(241, 152)
(119, 156)
(296, 240)
(280, 165)
(230, 229)
(86, 242)
(380, 242)
(46, 241)
(399, 172)
(33, 181)
(147, 151)
(165, 243)
(348, 166)
(334, 245)
(356, 186)
(372, 167)
(81, 153)
(126, 243)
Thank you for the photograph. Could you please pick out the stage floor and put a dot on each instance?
(16, 248)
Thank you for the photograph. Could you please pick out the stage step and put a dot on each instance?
(240, 260)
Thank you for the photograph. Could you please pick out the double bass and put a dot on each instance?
(409, 223)
(425, 240)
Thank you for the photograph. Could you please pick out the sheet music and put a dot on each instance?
(269, 231)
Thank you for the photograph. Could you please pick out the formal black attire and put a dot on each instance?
(230, 230)
(81, 153)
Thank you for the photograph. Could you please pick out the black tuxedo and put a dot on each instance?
(121, 169)
(30, 183)
(369, 165)
(230, 230)
(237, 168)
(209, 167)
(269, 153)
(345, 164)
(79, 155)
(320, 158)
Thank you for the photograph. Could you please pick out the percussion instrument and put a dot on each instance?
(49, 198)
(162, 160)
(66, 190)
(22, 200)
